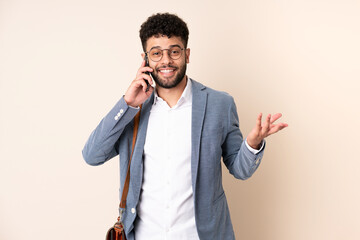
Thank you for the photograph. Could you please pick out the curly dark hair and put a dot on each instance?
(163, 24)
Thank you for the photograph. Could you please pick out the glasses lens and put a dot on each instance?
(175, 52)
(155, 54)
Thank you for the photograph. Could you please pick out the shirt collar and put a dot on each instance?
(186, 96)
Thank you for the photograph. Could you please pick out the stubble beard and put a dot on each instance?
(170, 84)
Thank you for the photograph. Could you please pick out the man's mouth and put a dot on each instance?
(167, 71)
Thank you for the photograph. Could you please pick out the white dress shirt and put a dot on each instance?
(166, 207)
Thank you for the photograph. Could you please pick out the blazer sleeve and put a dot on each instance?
(101, 145)
(239, 160)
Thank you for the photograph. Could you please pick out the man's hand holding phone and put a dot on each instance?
(136, 93)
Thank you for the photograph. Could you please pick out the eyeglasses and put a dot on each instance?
(156, 54)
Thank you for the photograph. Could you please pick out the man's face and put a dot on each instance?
(168, 73)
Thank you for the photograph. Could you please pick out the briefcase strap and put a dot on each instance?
(127, 179)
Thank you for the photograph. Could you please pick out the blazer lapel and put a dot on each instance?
(199, 100)
(137, 161)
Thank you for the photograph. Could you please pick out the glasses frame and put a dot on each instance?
(162, 54)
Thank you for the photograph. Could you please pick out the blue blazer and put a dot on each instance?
(215, 135)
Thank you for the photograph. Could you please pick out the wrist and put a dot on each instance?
(129, 103)
(254, 145)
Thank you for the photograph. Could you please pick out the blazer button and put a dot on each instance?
(133, 210)
(121, 111)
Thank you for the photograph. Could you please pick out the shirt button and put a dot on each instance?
(133, 210)
(121, 111)
(116, 117)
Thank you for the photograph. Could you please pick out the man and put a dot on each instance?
(185, 128)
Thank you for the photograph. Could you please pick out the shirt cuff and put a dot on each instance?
(134, 107)
(255, 151)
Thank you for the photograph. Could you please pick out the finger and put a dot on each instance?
(140, 83)
(144, 70)
(147, 80)
(137, 83)
(265, 129)
(258, 122)
(146, 77)
(275, 117)
(149, 92)
(277, 127)
(147, 69)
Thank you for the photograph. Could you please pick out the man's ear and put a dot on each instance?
(143, 55)
(187, 53)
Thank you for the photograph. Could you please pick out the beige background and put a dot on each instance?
(64, 64)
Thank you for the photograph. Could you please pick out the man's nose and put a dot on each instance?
(166, 59)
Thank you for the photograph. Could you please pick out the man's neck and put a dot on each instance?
(172, 95)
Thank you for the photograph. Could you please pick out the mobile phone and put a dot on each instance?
(148, 73)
